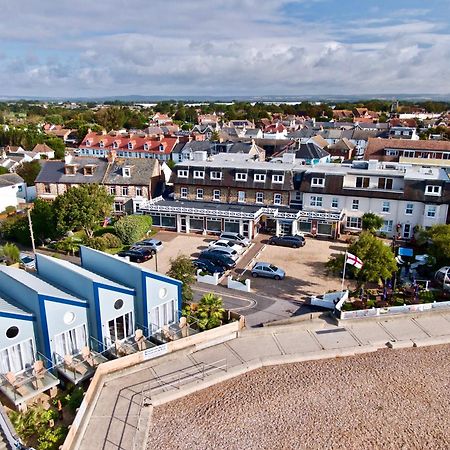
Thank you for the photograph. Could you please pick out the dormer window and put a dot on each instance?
(89, 169)
(126, 172)
(88, 143)
(101, 144)
(318, 182)
(183, 173)
(146, 146)
(115, 144)
(199, 174)
(161, 147)
(130, 145)
(433, 190)
(241, 176)
(70, 169)
(277, 178)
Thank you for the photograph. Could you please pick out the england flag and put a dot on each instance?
(353, 261)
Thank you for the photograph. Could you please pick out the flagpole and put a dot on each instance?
(343, 272)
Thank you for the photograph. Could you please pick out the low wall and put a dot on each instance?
(392, 310)
(233, 284)
(208, 279)
(330, 300)
(73, 438)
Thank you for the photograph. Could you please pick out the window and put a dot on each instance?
(391, 153)
(101, 144)
(355, 205)
(409, 153)
(260, 197)
(354, 222)
(47, 189)
(315, 201)
(432, 190)
(12, 332)
(277, 199)
(124, 191)
(199, 174)
(19, 188)
(126, 172)
(162, 315)
(385, 183)
(259, 178)
(146, 146)
(118, 207)
(199, 194)
(409, 208)
(388, 226)
(241, 196)
(120, 327)
(320, 182)
(130, 145)
(112, 190)
(335, 202)
(70, 342)
(386, 206)
(362, 182)
(138, 192)
(17, 358)
(183, 173)
(161, 147)
(216, 175)
(277, 178)
(241, 176)
(431, 211)
(184, 192)
(216, 195)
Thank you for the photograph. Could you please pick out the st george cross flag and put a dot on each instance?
(353, 261)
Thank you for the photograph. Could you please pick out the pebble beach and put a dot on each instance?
(390, 399)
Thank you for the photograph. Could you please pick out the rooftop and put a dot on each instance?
(8, 307)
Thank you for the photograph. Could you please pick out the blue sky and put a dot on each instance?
(224, 47)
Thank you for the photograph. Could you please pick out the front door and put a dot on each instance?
(183, 224)
(245, 229)
(120, 328)
(406, 231)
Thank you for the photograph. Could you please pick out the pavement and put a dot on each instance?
(124, 405)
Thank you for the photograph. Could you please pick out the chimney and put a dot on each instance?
(67, 159)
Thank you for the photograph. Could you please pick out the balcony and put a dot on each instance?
(23, 387)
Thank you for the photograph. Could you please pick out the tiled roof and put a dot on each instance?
(10, 179)
(42, 148)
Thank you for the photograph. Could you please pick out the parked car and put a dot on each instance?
(225, 251)
(263, 269)
(288, 241)
(27, 261)
(137, 254)
(154, 245)
(220, 259)
(236, 238)
(208, 266)
(223, 243)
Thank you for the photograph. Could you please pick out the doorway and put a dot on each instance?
(406, 231)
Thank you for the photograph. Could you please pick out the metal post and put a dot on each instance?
(343, 272)
(30, 224)
(156, 260)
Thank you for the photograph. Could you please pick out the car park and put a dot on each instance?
(225, 251)
(154, 245)
(288, 241)
(237, 238)
(267, 270)
(220, 259)
(137, 254)
(208, 266)
(223, 243)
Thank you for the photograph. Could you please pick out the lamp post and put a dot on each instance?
(30, 224)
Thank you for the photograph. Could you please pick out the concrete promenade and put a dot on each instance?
(124, 405)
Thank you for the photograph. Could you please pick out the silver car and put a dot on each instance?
(263, 269)
(154, 245)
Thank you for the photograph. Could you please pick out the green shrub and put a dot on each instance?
(132, 228)
(97, 243)
(111, 240)
(15, 228)
(11, 253)
(51, 438)
(10, 210)
(74, 399)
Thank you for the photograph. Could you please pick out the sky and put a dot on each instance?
(100, 48)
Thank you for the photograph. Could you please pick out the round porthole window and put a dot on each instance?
(12, 332)
(162, 293)
(118, 304)
(69, 317)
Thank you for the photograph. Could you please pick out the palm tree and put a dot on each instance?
(210, 311)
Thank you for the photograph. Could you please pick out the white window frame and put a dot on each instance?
(139, 191)
(386, 207)
(259, 177)
(112, 190)
(240, 197)
(318, 182)
(199, 174)
(335, 202)
(409, 209)
(183, 173)
(124, 191)
(259, 197)
(354, 222)
(277, 199)
(241, 176)
(199, 194)
(355, 202)
(24, 365)
(431, 189)
(388, 226)
(213, 175)
(277, 178)
(433, 209)
(316, 201)
(216, 195)
(184, 192)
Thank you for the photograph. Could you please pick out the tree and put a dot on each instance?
(82, 207)
(3, 170)
(132, 228)
(15, 228)
(182, 269)
(57, 145)
(371, 222)
(439, 248)
(43, 219)
(209, 311)
(11, 253)
(378, 259)
(29, 171)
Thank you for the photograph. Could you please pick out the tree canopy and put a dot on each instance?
(132, 228)
(182, 269)
(29, 171)
(371, 222)
(82, 207)
(439, 239)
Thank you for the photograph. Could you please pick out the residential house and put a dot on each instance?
(68, 136)
(308, 154)
(13, 191)
(128, 179)
(44, 151)
(403, 133)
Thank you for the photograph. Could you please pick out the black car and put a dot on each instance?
(208, 266)
(137, 254)
(219, 259)
(288, 241)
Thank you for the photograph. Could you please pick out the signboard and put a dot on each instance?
(403, 251)
(154, 352)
